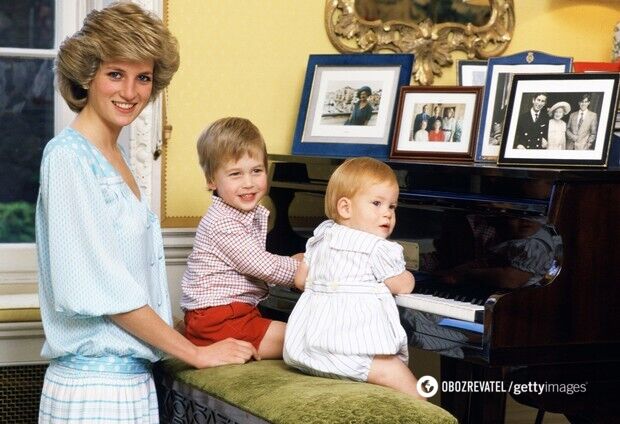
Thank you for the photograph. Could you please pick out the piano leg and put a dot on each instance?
(469, 407)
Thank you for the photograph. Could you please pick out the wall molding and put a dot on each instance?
(178, 243)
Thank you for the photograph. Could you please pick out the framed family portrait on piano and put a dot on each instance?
(560, 119)
(347, 104)
(436, 123)
(497, 90)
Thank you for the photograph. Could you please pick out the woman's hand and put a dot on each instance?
(225, 352)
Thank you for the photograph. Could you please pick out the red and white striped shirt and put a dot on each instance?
(229, 262)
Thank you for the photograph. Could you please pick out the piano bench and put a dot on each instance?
(269, 391)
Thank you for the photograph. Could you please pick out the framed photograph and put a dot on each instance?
(560, 119)
(582, 67)
(497, 90)
(347, 104)
(436, 123)
(471, 72)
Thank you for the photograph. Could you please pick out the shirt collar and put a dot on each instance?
(259, 212)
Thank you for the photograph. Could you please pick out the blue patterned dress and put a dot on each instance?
(100, 253)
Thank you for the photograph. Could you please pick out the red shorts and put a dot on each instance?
(238, 320)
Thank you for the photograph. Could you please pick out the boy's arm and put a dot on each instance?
(401, 283)
(248, 257)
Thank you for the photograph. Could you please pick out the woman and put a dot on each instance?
(421, 134)
(102, 286)
(556, 132)
(448, 124)
(436, 133)
(362, 110)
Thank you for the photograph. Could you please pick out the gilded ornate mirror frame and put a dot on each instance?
(431, 43)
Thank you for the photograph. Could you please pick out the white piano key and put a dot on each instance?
(436, 305)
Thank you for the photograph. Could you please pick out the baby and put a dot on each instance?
(346, 323)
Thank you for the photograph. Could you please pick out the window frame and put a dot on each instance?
(18, 261)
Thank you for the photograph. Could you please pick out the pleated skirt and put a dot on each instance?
(77, 396)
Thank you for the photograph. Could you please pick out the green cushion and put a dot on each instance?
(274, 392)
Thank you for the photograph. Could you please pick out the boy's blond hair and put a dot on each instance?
(228, 139)
(351, 176)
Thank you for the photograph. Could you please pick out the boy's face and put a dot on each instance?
(241, 184)
(373, 210)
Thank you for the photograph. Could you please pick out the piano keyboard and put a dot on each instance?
(441, 306)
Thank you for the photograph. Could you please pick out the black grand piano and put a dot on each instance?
(559, 324)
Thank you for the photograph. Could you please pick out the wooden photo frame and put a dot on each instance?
(560, 120)
(331, 122)
(436, 123)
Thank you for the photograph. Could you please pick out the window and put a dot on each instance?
(32, 112)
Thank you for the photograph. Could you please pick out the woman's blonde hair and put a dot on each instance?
(350, 177)
(121, 31)
(228, 139)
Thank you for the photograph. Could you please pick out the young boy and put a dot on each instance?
(229, 268)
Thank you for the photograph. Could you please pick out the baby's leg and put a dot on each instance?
(273, 342)
(390, 371)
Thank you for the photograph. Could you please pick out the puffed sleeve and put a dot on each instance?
(387, 260)
(87, 274)
(317, 236)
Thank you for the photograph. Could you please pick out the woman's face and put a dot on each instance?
(558, 113)
(363, 96)
(120, 91)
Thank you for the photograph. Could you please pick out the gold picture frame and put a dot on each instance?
(432, 43)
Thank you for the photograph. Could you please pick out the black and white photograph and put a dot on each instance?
(348, 102)
(498, 83)
(436, 123)
(560, 119)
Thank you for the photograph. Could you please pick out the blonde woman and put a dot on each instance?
(102, 284)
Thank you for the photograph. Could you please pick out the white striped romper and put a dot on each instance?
(346, 315)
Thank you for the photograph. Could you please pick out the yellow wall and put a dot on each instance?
(248, 58)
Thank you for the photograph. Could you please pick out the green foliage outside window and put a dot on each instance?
(17, 222)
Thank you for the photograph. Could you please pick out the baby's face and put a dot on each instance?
(373, 209)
